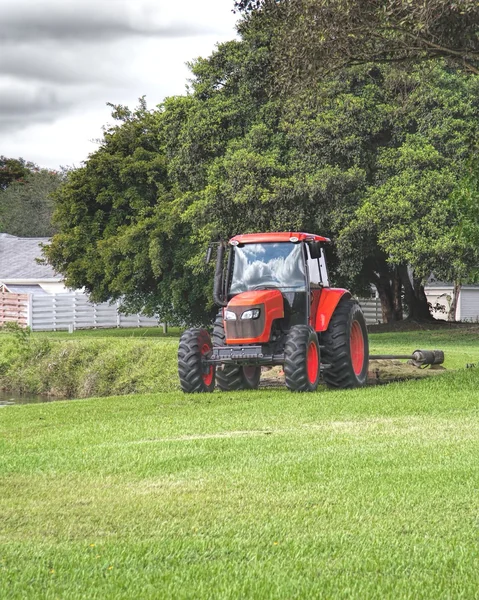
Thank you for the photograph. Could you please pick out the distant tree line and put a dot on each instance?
(375, 152)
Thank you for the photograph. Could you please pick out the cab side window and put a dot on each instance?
(314, 271)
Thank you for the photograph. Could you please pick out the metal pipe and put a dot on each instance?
(389, 356)
(419, 358)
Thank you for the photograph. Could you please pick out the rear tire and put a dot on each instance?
(233, 377)
(345, 347)
(301, 359)
(195, 344)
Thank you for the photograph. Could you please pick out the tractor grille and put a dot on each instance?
(245, 329)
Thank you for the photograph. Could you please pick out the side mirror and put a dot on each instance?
(209, 252)
(315, 249)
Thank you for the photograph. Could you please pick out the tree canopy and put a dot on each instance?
(14, 169)
(26, 205)
(375, 155)
(318, 36)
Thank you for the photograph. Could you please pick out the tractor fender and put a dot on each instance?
(328, 302)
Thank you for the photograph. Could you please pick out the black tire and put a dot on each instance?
(233, 377)
(194, 344)
(301, 359)
(344, 366)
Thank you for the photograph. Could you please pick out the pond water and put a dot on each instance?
(9, 398)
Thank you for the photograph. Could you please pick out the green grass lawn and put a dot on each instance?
(461, 346)
(370, 493)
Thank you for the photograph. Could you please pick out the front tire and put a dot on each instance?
(195, 344)
(301, 359)
(233, 377)
(345, 347)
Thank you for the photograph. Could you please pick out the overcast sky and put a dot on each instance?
(62, 60)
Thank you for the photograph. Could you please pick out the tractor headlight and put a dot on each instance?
(230, 315)
(253, 313)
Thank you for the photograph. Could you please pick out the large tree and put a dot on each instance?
(232, 156)
(319, 36)
(120, 235)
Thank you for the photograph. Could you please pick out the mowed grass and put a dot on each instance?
(370, 493)
(460, 345)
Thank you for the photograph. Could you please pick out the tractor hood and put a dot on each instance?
(249, 316)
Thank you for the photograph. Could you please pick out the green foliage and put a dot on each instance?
(120, 235)
(14, 169)
(314, 37)
(370, 156)
(26, 205)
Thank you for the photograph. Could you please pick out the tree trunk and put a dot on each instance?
(415, 297)
(385, 293)
(451, 316)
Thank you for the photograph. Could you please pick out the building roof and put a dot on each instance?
(27, 289)
(18, 259)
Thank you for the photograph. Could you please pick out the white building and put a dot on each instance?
(20, 272)
(33, 295)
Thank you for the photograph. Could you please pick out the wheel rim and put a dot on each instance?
(207, 377)
(312, 362)
(357, 348)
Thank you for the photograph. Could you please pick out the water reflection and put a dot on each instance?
(9, 398)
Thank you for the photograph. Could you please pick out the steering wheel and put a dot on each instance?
(261, 286)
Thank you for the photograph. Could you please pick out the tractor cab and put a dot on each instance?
(276, 308)
(271, 275)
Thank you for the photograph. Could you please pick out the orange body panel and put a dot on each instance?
(285, 236)
(271, 304)
(313, 311)
(326, 306)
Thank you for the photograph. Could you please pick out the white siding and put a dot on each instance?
(468, 304)
(371, 308)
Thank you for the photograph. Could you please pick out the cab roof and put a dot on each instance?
(285, 236)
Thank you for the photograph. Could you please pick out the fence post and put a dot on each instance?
(30, 311)
(74, 310)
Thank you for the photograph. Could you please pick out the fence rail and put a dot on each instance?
(372, 310)
(13, 308)
(74, 311)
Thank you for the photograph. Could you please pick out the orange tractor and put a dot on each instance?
(276, 309)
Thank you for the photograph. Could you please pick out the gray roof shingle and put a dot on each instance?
(17, 259)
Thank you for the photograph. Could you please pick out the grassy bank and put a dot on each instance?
(366, 493)
(85, 365)
(118, 361)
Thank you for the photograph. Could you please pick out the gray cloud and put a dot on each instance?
(18, 110)
(88, 21)
(62, 60)
(55, 64)
(50, 49)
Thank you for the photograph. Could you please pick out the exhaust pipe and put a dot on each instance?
(218, 296)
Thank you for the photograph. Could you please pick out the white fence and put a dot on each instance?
(372, 310)
(74, 311)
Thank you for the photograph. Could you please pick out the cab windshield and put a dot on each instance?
(258, 266)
